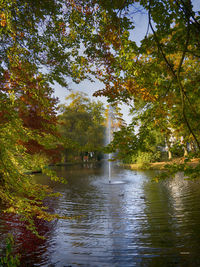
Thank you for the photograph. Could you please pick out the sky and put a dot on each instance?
(141, 24)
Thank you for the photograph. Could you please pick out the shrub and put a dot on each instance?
(145, 158)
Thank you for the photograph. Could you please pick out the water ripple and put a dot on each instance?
(136, 222)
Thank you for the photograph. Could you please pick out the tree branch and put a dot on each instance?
(158, 43)
(182, 91)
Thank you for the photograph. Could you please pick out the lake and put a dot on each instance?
(133, 221)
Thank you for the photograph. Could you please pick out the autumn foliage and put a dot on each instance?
(44, 42)
(32, 103)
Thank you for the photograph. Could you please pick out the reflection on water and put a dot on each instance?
(135, 223)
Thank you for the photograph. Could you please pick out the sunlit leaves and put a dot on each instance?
(3, 19)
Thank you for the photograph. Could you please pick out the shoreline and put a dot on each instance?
(31, 172)
(161, 165)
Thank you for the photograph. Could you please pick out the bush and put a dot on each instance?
(130, 159)
(142, 158)
(145, 158)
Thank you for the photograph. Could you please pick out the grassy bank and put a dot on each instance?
(161, 165)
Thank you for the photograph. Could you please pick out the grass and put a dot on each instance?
(161, 165)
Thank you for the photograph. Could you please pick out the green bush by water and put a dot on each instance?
(143, 159)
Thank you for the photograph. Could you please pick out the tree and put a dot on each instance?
(36, 50)
(82, 125)
(163, 71)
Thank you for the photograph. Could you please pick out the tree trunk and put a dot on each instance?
(169, 154)
(185, 151)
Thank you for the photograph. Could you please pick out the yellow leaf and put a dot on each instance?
(3, 19)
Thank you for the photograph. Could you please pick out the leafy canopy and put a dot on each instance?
(82, 124)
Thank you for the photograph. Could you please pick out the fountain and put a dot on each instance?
(108, 140)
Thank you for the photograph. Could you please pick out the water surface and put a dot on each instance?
(134, 223)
